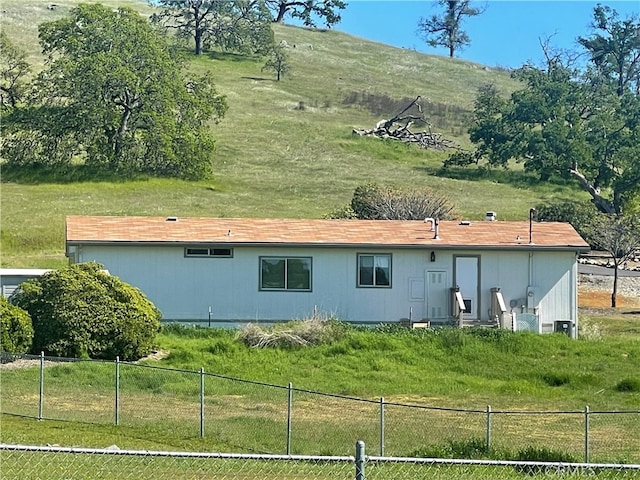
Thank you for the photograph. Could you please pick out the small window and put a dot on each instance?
(283, 273)
(374, 270)
(208, 252)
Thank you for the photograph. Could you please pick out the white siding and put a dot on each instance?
(184, 288)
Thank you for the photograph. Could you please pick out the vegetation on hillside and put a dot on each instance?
(575, 123)
(112, 97)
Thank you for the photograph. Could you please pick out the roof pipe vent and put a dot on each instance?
(433, 223)
(532, 211)
(171, 219)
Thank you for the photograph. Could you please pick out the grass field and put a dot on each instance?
(465, 371)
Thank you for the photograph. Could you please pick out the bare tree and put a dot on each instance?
(375, 202)
(620, 237)
(445, 30)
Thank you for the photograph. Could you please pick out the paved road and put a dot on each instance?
(597, 270)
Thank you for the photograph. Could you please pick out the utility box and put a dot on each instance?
(564, 326)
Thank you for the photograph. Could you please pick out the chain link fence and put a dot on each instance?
(57, 463)
(258, 417)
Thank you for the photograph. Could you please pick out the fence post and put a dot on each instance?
(360, 460)
(289, 408)
(488, 427)
(117, 405)
(41, 394)
(382, 426)
(586, 434)
(202, 401)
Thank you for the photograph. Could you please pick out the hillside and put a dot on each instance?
(284, 149)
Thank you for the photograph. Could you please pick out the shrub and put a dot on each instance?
(628, 385)
(16, 330)
(315, 330)
(82, 311)
(542, 454)
(589, 330)
(556, 379)
(471, 448)
(376, 202)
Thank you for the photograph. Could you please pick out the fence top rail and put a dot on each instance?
(152, 453)
(512, 463)
(314, 458)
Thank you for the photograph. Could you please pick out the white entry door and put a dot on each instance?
(466, 277)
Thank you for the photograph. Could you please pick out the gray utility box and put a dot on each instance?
(564, 326)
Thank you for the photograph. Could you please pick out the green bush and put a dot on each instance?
(556, 379)
(628, 385)
(542, 454)
(16, 330)
(82, 311)
(472, 448)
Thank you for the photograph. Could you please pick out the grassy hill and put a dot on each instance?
(284, 149)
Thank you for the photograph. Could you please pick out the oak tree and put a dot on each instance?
(14, 70)
(308, 11)
(581, 124)
(235, 25)
(113, 97)
(445, 30)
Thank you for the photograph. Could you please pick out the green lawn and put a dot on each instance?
(463, 371)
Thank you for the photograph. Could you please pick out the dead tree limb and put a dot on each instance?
(398, 128)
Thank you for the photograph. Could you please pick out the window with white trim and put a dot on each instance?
(374, 270)
(285, 273)
(208, 252)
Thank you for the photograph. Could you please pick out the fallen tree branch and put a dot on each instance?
(398, 128)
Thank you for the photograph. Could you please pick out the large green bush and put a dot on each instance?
(82, 311)
(16, 331)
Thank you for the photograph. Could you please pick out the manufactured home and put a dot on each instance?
(11, 278)
(516, 275)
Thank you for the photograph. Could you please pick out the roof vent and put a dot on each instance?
(171, 219)
(490, 217)
(465, 222)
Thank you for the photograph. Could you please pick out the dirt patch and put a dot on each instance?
(589, 298)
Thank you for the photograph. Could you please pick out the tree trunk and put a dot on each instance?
(600, 202)
(614, 292)
(198, 40)
(282, 9)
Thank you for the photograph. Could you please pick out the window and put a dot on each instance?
(280, 273)
(374, 270)
(208, 252)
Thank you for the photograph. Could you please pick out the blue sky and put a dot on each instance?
(507, 34)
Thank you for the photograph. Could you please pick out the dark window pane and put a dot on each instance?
(272, 273)
(366, 270)
(299, 274)
(221, 252)
(383, 263)
(382, 276)
(197, 251)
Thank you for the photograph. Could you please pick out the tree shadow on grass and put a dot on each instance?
(231, 57)
(64, 174)
(518, 179)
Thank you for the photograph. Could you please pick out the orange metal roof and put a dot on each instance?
(387, 233)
